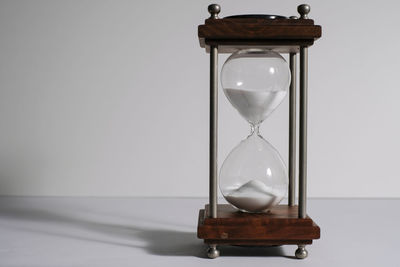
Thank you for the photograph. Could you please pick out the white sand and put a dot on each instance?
(254, 106)
(254, 196)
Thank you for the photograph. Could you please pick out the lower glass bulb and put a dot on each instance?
(253, 178)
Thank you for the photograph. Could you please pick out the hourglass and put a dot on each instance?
(253, 178)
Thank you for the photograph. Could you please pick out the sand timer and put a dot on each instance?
(253, 178)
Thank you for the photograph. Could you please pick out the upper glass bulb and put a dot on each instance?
(255, 81)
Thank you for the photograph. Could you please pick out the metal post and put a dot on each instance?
(213, 130)
(303, 133)
(292, 130)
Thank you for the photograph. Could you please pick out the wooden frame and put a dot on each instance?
(283, 224)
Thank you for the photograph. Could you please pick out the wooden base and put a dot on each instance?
(280, 226)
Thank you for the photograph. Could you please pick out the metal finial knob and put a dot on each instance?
(301, 252)
(213, 252)
(214, 10)
(303, 10)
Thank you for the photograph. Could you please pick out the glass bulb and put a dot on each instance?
(255, 81)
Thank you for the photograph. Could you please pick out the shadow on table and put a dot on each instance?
(174, 243)
(162, 242)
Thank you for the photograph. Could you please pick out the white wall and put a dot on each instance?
(110, 98)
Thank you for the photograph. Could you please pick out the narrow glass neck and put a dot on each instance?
(255, 129)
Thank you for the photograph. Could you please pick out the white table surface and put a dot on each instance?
(39, 231)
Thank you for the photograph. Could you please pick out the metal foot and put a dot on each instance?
(301, 252)
(212, 252)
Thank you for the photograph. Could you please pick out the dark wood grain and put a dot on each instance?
(290, 33)
(241, 242)
(279, 226)
(229, 215)
(259, 32)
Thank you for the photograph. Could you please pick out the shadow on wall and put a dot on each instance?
(161, 242)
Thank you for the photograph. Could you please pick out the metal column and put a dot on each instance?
(213, 130)
(303, 133)
(292, 130)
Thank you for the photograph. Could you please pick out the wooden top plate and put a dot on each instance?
(283, 35)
